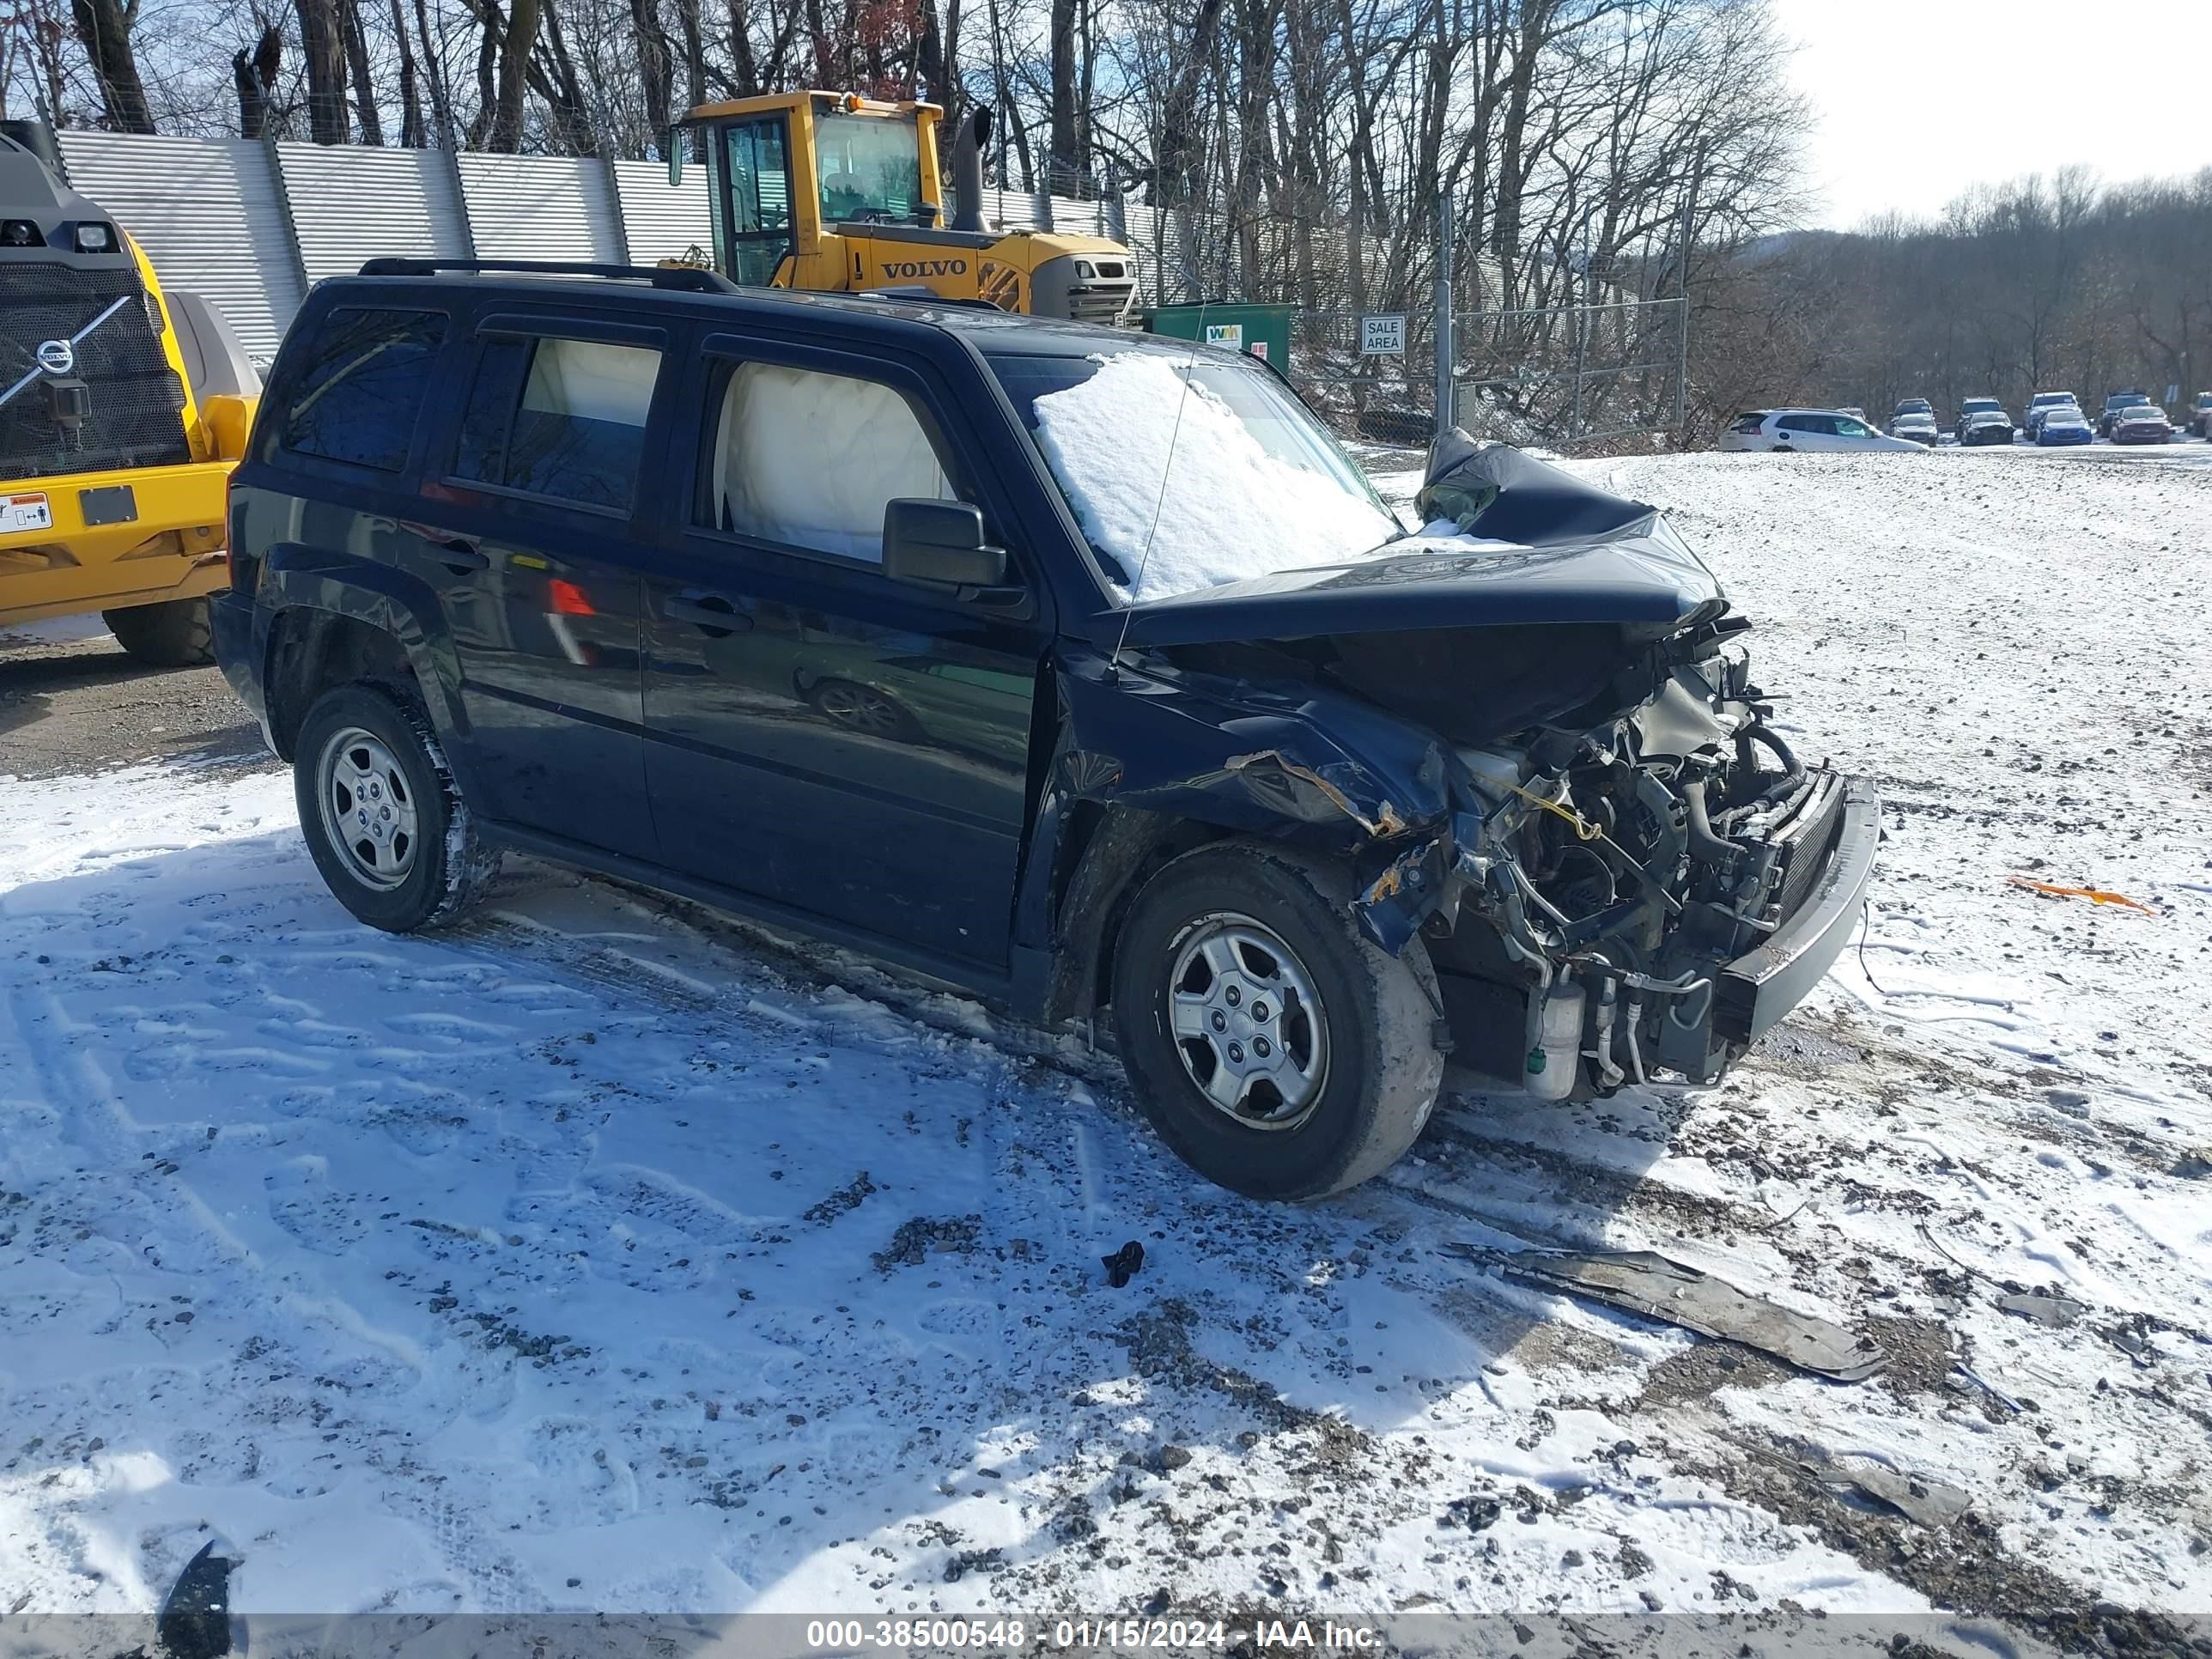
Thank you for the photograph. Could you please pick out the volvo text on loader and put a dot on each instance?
(840, 194)
(122, 411)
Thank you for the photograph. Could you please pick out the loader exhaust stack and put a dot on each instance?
(968, 170)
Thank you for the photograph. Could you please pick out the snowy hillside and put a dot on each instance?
(598, 1256)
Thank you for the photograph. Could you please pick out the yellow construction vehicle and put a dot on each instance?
(840, 194)
(122, 411)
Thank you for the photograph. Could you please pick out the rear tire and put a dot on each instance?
(380, 813)
(174, 633)
(1284, 922)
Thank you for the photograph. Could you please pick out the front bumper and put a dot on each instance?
(93, 558)
(1753, 992)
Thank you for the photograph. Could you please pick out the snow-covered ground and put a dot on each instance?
(601, 1256)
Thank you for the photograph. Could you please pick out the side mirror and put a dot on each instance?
(939, 544)
(672, 141)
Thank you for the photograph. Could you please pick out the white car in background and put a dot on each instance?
(1919, 426)
(1807, 431)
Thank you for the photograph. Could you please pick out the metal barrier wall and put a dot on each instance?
(252, 224)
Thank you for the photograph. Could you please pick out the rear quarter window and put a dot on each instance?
(360, 385)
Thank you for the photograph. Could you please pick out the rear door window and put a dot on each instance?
(1825, 425)
(559, 417)
(357, 397)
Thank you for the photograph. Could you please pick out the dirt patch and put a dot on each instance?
(1698, 1372)
(1160, 1348)
(1921, 1353)
(917, 1240)
(1962, 1567)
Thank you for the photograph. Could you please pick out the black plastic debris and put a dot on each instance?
(195, 1621)
(1644, 1282)
(1121, 1265)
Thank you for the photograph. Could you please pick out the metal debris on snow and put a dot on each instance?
(1924, 1501)
(2045, 1308)
(1647, 1283)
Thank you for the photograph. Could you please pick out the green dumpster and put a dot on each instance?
(1263, 330)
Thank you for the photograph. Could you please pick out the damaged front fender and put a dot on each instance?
(1151, 759)
(1273, 758)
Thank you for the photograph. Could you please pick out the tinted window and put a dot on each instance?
(1820, 423)
(363, 385)
(1748, 423)
(559, 417)
(809, 459)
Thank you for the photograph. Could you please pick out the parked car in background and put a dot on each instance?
(1913, 406)
(1305, 805)
(1986, 427)
(1918, 425)
(2114, 405)
(2200, 416)
(1970, 407)
(2057, 428)
(1853, 411)
(1806, 431)
(2032, 426)
(2032, 416)
(2144, 424)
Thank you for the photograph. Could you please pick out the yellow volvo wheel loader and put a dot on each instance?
(839, 194)
(122, 411)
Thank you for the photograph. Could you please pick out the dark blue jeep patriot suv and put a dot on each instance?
(1074, 669)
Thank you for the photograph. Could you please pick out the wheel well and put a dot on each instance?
(1110, 853)
(312, 651)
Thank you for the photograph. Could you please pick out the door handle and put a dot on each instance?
(712, 611)
(460, 555)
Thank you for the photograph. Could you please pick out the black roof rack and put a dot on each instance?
(689, 279)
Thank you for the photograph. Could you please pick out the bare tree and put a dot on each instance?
(104, 26)
(322, 44)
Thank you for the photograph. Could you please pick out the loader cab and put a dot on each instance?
(840, 194)
(800, 184)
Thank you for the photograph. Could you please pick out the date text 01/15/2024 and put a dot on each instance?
(987, 1635)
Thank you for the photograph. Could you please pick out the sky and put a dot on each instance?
(1919, 99)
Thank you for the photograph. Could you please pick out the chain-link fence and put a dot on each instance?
(1547, 376)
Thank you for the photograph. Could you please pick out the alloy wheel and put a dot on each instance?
(1247, 1021)
(368, 807)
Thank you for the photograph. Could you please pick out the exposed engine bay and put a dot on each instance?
(1619, 868)
(1616, 863)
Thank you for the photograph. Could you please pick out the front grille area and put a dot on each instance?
(136, 417)
(1099, 304)
(1812, 837)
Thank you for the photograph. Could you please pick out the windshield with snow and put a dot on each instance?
(1243, 481)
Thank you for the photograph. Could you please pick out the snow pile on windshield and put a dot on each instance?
(1231, 509)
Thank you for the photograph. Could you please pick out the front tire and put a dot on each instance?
(174, 633)
(1279, 1051)
(382, 817)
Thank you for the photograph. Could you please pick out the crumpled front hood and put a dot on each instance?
(1534, 545)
